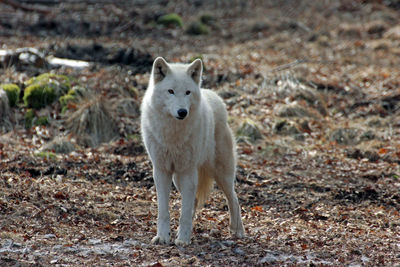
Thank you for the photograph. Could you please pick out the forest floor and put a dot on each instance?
(313, 95)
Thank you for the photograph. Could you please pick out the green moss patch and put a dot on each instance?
(13, 92)
(38, 96)
(46, 155)
(197, 28)
(63, 81)
(73, 96)
(29, 117)
(171, 20)
(44, 120)
(45, 89)
(65, 100)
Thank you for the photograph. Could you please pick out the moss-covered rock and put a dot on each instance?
(38, 96)
(197, 28)
(45, 89)
(63, 81)
(13, 92)
(171, 19)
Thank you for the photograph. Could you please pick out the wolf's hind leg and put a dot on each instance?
(227, 185)
(225, 169)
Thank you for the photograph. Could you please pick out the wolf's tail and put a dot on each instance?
(203, 188)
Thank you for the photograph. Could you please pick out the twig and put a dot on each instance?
(17, 5)
(289, 65)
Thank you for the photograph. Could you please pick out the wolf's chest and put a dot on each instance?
(178, 158)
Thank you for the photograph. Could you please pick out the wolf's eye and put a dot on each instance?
(188, 92)
(171, 91)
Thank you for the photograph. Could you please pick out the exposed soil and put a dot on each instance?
(313, 93)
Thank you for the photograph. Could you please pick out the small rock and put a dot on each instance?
(49, 236)
(268, 259)
(131, 243)
(59, 145)
(345, 136)
(217, 245)
(284, 127)
(228, 242)
(249, 130)
(58, 178)
(238, 251)
(94, 241)
(368, 135)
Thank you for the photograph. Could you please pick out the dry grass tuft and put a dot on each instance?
(92, 123)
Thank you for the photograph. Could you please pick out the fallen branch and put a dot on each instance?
(29, 8)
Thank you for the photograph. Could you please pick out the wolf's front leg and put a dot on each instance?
(187, 185)
(163, 188)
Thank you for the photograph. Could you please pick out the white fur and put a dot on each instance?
(191, 152)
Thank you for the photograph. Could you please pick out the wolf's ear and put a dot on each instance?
(160, 69)
(195, 70)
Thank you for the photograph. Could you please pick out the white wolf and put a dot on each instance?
(187, 137)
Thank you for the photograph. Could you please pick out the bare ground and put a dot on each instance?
(319, 186)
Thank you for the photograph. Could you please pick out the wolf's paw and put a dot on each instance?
(158, 240)
(182, 243)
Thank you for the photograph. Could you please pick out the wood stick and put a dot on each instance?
(29, 8)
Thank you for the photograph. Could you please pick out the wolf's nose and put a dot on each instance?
(182, 113)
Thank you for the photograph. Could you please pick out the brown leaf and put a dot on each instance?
(60, 195)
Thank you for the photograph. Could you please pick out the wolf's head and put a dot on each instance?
(176, 87)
